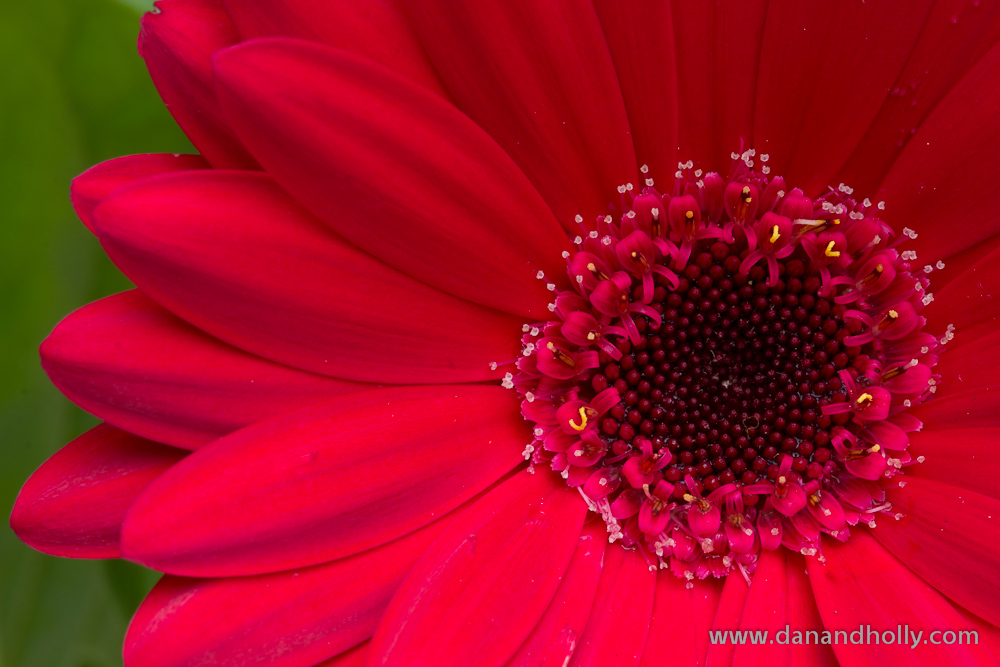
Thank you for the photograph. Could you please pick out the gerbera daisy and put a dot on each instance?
(547, 333)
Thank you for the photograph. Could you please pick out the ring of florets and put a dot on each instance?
(731, 368)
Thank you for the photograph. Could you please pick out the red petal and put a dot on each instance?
(286, 619)
(356, 657)
(964, 458)
(948, 536)
(682, 617)
(74, 504)
(954, 37)
(232, 254)
(375, 29)
(138, 367)
(718, 48)
(481, 588)
(93, 185)
(641, 41)
(727, 617)
(861, 587)
(619, 623)
(177, 43)
(967, 300)
(808, 117)
(781, 600)
(396, 170)
(325, 482)
(969, 394)
(538, 77)
(947, 171)
(989, 634)
(555, 637)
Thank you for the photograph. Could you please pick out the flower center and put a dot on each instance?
(731, 370)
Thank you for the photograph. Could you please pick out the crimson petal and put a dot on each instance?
(806, 118)
(955, 36)
(641, 42)
(395, 170)
(718, 48)
(538, 77)
(948, 536)
(177, 42)
(947, 171)
(967, 301)
(356, 657)
(555, 637)
(375, 29)
(618, 626)
(731, 603)
(860, 584)
(93, 185)
(969, 395)
(781, 599)
(287, 619)
(138, 367)
(235, 256)
(494, 571)
(683, 613)
(74, 504)
(325, 482)
(962, 457)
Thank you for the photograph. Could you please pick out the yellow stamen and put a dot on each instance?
(830, 252)
(893, 372)
(855, 454)
(561, 356)
(583, 421)
(591, 335)
(597, 273)
(641, 259)
(893, 314)
(864, 399)
(775, 235)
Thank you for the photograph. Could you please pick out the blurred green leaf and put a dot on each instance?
(73, 92)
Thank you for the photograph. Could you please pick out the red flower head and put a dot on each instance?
(408, 218)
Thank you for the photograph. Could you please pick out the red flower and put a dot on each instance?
(398, 208)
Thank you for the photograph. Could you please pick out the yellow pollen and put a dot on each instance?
(640, 259)
(830, 252)
(689, 498)
(782, 480)
(746, 189)
(835, 221)
(775, 235)
(879, 268)
(583, 421)
(689, 215)
(592, 268)
(591, 335)
(893, 314)
(855, 454)
(560, 355)
(865, 399)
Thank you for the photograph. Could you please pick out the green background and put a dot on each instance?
(73, 92)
